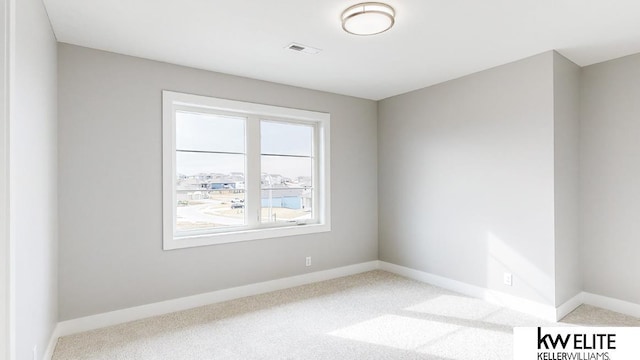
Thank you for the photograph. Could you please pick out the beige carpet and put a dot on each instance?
(375, 315)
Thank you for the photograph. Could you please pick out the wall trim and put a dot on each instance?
(546, 312)
(53, 341)
(116, 317)
(611, 304)
(569, 305)
(543, 311)
(7, 256)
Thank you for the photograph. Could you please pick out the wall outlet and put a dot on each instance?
(308, 261)
(508, 279)
(35, 352)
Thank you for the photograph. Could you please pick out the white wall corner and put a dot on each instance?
(569, 305)
(53, 341)
(543, 311)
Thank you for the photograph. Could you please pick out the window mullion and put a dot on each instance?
(252, 180)
(316, 177)
(226, 227)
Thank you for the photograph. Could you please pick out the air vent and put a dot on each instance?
(303, 48)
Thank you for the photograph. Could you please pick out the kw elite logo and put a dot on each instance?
(576, 343)
(593, 346)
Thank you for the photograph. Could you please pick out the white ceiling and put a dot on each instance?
(432, 41)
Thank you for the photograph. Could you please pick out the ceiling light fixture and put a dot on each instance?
(368, 18)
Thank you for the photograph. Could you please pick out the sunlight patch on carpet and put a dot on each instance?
(456, 306)
(396, 331)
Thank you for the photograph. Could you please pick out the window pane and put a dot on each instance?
(213, 165)
(209, 191)
(206, 132)
(286, 138)
(282, 171)
(285, 205)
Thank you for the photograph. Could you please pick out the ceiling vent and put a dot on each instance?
(303, 48)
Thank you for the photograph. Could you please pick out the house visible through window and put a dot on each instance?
(210, 171)
(236, 171)
(287, 172)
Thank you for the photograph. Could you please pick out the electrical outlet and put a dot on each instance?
(35, 352)
(308, 261)
(508, 279)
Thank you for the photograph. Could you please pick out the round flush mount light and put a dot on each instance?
(368, 18)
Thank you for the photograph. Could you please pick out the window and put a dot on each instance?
(236, 171)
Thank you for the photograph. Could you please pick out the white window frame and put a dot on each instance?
(174, 101)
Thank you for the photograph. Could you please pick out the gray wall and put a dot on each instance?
(33, 175)
(466, 178)
(498, 164)
(566, 95)
(110, 182)
(5, 259)
(610, 178)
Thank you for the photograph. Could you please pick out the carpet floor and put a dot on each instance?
(374, 315)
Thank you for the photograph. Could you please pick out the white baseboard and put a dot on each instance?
(612, 304)
(92, 322)
(53, 341)
(543, 311)
(546, 312)
(570, 305)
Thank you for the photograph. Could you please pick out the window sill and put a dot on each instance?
(182, 242)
